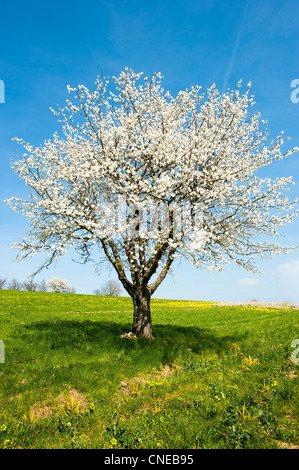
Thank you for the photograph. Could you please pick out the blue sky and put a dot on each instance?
(47, 45)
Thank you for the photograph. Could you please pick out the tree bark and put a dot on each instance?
(142, 322)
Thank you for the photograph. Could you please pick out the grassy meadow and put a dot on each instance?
(212, 377)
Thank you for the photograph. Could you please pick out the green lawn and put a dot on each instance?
(212, 377)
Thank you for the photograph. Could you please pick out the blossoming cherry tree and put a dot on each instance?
(142, 178)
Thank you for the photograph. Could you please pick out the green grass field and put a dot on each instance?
(212, 377)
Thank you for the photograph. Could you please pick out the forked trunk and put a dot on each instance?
(142, 323)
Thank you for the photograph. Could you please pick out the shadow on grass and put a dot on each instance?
(91, 356)
(98, 337)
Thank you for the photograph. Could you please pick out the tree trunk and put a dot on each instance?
(142, 322)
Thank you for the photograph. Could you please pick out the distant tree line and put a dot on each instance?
(54, 284)
(111, 288)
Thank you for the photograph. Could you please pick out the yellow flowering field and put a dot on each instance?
(212, 376)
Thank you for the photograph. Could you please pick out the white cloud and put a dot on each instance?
(248, 281)
(289, 268)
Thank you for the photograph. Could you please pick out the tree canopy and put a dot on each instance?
(146, 178)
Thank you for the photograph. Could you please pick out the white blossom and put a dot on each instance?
(148, 147)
